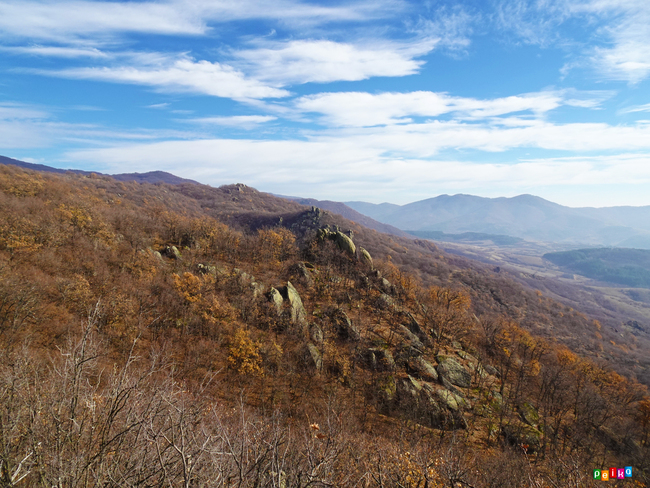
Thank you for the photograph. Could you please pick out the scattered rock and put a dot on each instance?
(411, 337)
(313, 357)
(204, 269)
(423, 369)
(316, 333)
(489, 369)
(171, 252)
(467, 356)
(380, 359)
(385, 285)
(344, 327)
(384, 301)
(529, 414)
(448, 399)
(366, 257)
(275, 297)
(297, 310)
(454, 372)
(302, 274)
(524, 436)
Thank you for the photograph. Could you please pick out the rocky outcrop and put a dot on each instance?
(422, 369)
(366, 257)
(452, 371)
(297, 311)
(523, 436)
(302, 274)
(275, 297)
(313, 357)
(426, 405)
(171, 252)
(343, 326)
(379, 359)
(342, 241)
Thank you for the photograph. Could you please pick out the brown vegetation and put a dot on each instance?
(142, 346)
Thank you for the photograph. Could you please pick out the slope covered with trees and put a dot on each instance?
(629, 267)
(191, 336)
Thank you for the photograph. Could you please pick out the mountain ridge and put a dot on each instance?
(148, 177)
(524, 216)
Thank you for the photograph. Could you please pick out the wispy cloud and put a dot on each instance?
(18, 111)
(241, 121)
(73, 20)
(637, 108)
(181, 74)
(608, 36)
(56, 51)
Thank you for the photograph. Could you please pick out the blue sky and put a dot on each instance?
(384, 100)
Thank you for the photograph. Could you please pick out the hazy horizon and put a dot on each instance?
(392, 100)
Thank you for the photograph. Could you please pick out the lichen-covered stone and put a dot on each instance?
(314, 357)
(366, 257)
(345, 243)
(423, 369)
(455, 373)
(381, 359)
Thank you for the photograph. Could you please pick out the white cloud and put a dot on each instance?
(325, 61)
(180, 75)
(365, 109)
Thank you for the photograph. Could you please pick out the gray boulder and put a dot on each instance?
(345, 243)
(302, 274)
(454, 372)
(297, 309)
(313, 357)
(344, 327)
(380, 359)
(275, 297)
(366, 257)
(423, 369)
(171, 252)
(410, 337)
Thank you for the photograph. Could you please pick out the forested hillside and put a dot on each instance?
(630, 267)
(157, 335)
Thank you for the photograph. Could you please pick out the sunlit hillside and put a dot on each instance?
(159, 335)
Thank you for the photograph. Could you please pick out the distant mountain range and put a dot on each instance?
(150, 177)
(525, 216)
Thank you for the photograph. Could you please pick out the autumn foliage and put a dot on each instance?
(142, 347)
